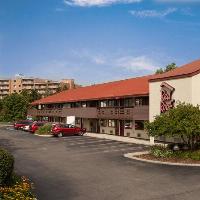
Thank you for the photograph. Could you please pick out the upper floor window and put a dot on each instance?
(84, 104)
(141, 101)
(128, 102)
(111, 103)
(103, 104)
(67, 105)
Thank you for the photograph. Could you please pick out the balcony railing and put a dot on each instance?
(135, 113)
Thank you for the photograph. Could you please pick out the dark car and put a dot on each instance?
(35, 126)
(66, 129)
(21, 124)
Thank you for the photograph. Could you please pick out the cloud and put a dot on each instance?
(139, 63)
(152, 13)
(99, 3)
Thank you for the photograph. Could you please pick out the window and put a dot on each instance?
(67, 105)
(139, 125)
(111, 123)
(78, 121)
(111, 103)
(103, 122)
(84, 104)
(142, 101)
(103, 103)
(138, 101)
(128, 124)
(128, 102)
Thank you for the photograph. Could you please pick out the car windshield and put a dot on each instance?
(39, 124)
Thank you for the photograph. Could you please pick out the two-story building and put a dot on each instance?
(122, 107)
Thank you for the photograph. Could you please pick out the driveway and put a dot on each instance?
(85, 168)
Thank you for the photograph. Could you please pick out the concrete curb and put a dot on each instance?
(43, 135)
(132, 156)
(119, 138)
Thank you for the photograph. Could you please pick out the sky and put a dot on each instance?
(96, 41)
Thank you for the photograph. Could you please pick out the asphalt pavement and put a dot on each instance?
(87, 168)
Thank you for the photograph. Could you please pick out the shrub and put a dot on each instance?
(22, 189)
(6, 167)
(182, 121)
(161, 151)
(43, 130)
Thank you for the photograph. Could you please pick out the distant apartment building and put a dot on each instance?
(19, 83)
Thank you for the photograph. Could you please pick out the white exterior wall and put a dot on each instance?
(183, 93)
(196, 89)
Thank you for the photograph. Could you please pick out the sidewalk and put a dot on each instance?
(119, 138)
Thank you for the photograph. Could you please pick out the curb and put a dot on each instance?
(132, 156)
(119, 138)
(43, 135)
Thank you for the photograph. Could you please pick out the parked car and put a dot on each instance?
(66, 129)
(21, 124)
(35, 126)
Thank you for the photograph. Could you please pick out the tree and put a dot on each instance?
(182, 121)
(169, 67)
(31, 95)
(14, 107)
(62, 88)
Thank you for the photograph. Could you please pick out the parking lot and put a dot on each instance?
(84, 168)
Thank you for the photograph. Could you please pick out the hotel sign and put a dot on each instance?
(167, 101)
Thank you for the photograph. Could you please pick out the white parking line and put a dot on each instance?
(97, 151)
(83, 139)
(108, 144)
(90, 142)
(102, 148)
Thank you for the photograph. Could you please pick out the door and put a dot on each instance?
(121, 128)
(116, 127)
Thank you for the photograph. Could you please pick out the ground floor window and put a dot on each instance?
(111, 123)
(103, 122)
(78, 121)
(128, 124)
(139, 125)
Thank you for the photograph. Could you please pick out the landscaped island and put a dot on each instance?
(182, 122)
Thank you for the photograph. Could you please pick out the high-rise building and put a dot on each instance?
(43, 86)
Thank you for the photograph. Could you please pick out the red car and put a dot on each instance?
(66, 129)
(35, 126)
(21, 124)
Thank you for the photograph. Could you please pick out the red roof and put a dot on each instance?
(129, 87)
(187, 70)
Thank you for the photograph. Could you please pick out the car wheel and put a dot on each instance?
(80, 133)
(60, 134)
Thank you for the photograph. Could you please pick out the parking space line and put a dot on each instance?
(91, 142)
(97, 151)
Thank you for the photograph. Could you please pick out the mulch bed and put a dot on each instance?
(172, 160)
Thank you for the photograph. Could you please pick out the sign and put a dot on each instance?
(167, 102)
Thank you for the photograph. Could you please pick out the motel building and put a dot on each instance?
(121, 107)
